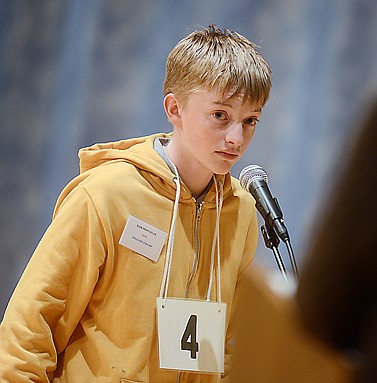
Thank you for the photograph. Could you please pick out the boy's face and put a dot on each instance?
(214, 132)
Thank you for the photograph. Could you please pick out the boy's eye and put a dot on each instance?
(219, 115)
(251, 121)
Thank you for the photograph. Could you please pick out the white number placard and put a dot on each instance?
(191, 334)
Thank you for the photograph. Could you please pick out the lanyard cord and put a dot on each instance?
(216, 239)
(169, 251)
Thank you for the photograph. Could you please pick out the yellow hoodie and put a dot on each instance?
(85, 308)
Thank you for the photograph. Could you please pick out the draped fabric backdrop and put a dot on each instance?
(76, 72)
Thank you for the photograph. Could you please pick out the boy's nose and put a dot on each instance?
(234, 134)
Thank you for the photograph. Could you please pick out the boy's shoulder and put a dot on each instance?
(109, 177)
(244, 196)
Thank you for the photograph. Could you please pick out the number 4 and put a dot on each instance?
(188, 340)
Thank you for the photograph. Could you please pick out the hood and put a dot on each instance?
(140, 152)
(129, 150)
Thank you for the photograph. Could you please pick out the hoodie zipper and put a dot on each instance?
(196, 249)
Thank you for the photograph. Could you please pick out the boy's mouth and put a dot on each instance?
(228, 155)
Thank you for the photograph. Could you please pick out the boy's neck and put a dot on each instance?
(194, 179)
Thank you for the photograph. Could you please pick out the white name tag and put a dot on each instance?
(143, 238)
(191, 334)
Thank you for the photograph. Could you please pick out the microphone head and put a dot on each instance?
(252, 173)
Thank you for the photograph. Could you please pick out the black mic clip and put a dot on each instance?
(270, 237)
(271, 240)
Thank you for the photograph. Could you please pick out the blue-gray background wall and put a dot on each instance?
(76, 72)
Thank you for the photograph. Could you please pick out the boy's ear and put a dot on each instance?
(171, 106)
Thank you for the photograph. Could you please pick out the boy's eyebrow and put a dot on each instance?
(224, 103)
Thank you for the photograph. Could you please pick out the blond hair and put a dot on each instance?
(223, 59)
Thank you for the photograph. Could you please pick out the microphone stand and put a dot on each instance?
(292, 259)
(272, 241)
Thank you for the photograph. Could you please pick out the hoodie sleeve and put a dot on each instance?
(53, 292)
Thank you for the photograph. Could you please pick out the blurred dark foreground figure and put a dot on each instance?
(326, 330)
(337, 292)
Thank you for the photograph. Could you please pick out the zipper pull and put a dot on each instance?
(198, 210)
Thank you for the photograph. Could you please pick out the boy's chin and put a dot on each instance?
(221, 172)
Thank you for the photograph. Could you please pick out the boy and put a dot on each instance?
(151, 217)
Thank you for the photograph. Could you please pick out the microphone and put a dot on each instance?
(254, 180)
